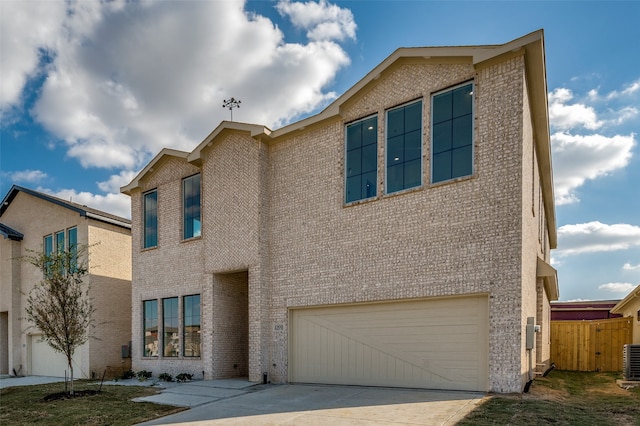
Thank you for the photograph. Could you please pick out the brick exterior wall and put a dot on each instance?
(109, 279)
(277, 234)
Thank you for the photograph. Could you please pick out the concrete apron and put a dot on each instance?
(227, 402)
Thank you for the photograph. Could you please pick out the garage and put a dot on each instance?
(427, 343)
(45, 361)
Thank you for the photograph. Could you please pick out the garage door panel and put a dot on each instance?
(393, 344)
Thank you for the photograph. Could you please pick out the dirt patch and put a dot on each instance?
(66, 395)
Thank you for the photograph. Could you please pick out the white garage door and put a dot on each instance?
(436, 344)
(45, 361)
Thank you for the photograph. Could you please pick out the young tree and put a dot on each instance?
(60, 305)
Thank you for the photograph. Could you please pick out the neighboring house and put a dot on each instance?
(31, 220)
(400, 237)
(630, 307)
(583, 310)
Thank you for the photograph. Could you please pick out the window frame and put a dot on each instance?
(346, 160)
(184, 209)
(145, 327)
(169, 315)
(145, 245)
(185, 325)
(420, 157)
(451, 89)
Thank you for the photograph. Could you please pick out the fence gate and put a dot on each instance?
(589, 345)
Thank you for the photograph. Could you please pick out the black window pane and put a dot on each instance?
(412, 174)
(442, 107)
(441, 167)
(412, 145)
(353, 188)
(462, 100)
(441, 137)
(395, 150)
(369, 185)
(395, 122)
(354, 136)
(462, 162)
(395, 178)
(462, 131)
(369, 158)
(413, 117)
(370, 131)
(354, 159)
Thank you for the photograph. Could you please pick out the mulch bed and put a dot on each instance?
(66, 395)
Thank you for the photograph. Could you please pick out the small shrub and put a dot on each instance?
(166, 377)
(129, 374)
(143, 375)
(184, 377)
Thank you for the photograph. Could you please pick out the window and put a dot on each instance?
(191, 325)
(150, 328)
(59, 242)
(361, 160)
(48, 245)
(150, 208)
(72, 241)
(404, 147)
(191, 207)
(171, 337)
(452, 134)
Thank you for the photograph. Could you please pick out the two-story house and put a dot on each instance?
(400, 237)
(32, 220)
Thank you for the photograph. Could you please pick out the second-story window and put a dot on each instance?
(191, 207)
(361, 159)
(404, 147)
(150, 212)
(452, 144)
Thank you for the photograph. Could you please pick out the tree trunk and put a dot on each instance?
(71, 374)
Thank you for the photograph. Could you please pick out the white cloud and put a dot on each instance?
(565, 117)
(28, 176)
(322, 20)
(629, 267)
(116, 182)
(578, 158)
(617, 287)
(126, 79)
(595, 237)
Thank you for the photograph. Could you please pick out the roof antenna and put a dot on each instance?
(231, 104)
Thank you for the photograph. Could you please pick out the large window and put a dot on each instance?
(191, 207)
(361, 159)
(150, 328)
(171, 337)
(452, 133)
(150, 208)
(191, 325)
(72, 241)
(404, 147)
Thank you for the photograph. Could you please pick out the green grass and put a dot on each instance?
(26, 405)
(563, 398)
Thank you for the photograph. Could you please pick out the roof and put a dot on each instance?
(82, 210)
(10, 233)
(633, 294)
(530, 45)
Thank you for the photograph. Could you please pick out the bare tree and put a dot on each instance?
(60, 305)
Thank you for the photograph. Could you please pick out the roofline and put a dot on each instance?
(9, 233)
(632, 295)
(112, 219)
(165, 152)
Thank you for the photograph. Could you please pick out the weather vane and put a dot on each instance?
(231, 104)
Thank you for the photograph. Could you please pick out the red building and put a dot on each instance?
(583, 310)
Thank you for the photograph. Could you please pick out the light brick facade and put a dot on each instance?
(35, 215)
(277, 235)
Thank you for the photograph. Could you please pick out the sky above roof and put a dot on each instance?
(91, 91)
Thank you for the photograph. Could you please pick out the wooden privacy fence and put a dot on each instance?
(594, 345)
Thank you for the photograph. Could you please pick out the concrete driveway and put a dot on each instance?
(316, 405)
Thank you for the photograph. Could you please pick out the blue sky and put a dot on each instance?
(90, 91)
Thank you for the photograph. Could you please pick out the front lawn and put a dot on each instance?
(563, 398)
(26, 405)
